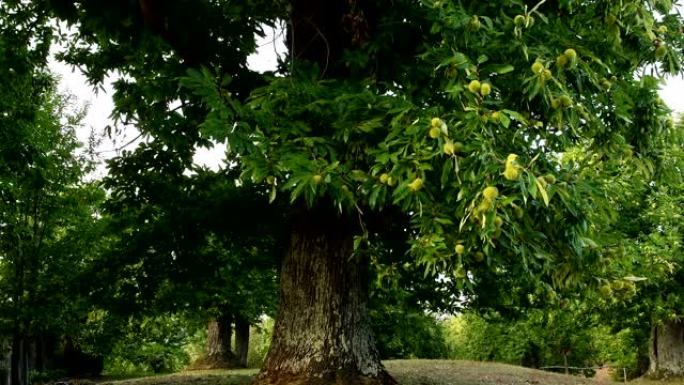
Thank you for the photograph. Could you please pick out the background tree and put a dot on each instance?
(404, 299)
(649, 252)
(175, 252)
(48, 214)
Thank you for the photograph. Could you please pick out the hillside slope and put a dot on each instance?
(407, 372)
(446, 372)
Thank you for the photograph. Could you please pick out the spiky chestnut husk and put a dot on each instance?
(490, 192)
(485, 89)
(519, 20)
(384, 178)
(416, 185)
(537, 67)
(571, 54)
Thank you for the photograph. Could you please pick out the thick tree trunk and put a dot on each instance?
(322, 334)
(241, 340)
(667, 350)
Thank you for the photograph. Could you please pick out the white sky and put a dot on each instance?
(100, 102)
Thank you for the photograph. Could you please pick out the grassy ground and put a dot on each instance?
(407, 372)
(194, 377)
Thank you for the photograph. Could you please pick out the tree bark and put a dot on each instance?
(667, 350)
(219, 339)
(18, 369)
(44, 348)
(219, 354)
(322, 333)
(241, 340)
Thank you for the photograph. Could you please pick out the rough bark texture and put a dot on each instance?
(219, 345)
(241, 340)
(42, 353)
(18, 368)
(220, 336)
(5, 360)
(24, 354)
(667, 350)
(322, 334)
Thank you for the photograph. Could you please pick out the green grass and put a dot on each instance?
(407, 372)
(195, 377)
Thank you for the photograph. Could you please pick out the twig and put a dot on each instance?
(117, 149)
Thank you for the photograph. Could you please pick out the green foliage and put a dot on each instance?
(49, 215)
(541, 338)
(42, 377)
(407, 334)
(175, 247)
(640, 277)
(368, 142)
(152, 345)
(626, 349)
(328, 131)
(259, 342)
(474, 338)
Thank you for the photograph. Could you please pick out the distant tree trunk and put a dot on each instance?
(5, 361)
(241, 340)
(18, 367)
(7, 358)
(667, 350)
(78, 363)
(322, 333)
(219, 353)
(44, 352)
(219, 337)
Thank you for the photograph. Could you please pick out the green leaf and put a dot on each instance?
(634, 279)
(499, 69)
(272, 194)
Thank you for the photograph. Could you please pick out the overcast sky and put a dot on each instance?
(100, 103)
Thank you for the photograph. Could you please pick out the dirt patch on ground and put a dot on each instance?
(407, 372)
(445, 372)
(603, 376)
